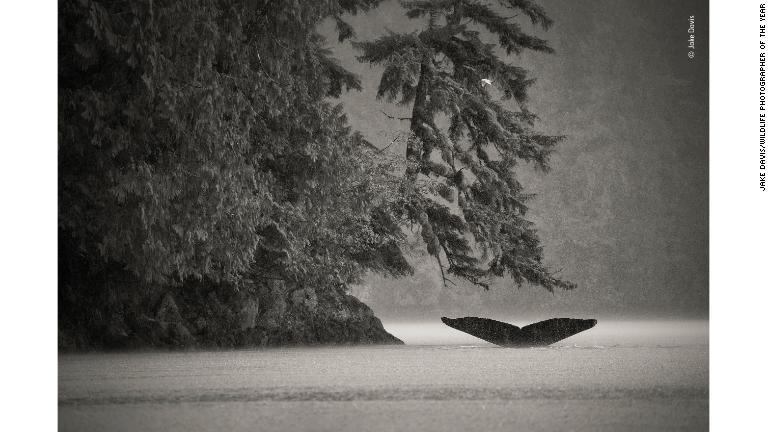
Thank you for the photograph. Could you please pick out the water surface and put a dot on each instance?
(618, 376)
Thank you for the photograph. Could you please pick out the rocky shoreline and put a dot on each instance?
(120, 316)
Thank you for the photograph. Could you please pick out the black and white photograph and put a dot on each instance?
(386, 215)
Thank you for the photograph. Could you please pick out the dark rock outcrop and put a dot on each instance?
(131, 315)
(542, 333)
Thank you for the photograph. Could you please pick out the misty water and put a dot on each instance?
(618, 376)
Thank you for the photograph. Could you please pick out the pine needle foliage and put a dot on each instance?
(445, 70)
(196, 140)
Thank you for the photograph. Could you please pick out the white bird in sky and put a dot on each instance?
(485, 81)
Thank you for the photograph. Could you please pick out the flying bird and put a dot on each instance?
(485, 81)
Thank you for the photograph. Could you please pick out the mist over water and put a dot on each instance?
(618, 376)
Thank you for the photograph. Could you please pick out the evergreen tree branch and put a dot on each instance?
(395, 118)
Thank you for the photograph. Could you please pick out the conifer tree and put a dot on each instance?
(196, 140)
(464, 193)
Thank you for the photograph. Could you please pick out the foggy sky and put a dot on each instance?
(624, 210)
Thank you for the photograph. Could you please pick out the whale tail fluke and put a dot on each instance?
(542, 333)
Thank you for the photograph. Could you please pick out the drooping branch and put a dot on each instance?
(396, 118)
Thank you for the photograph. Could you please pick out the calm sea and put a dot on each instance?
(618, 376)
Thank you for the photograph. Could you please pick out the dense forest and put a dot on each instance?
(212, 194)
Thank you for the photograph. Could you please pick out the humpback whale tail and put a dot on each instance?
(542, 333)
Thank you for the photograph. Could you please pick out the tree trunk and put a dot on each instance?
(420, 143)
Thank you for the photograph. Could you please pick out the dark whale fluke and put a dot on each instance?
(542, 333)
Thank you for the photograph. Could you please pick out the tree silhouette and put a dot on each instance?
(463, 189)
